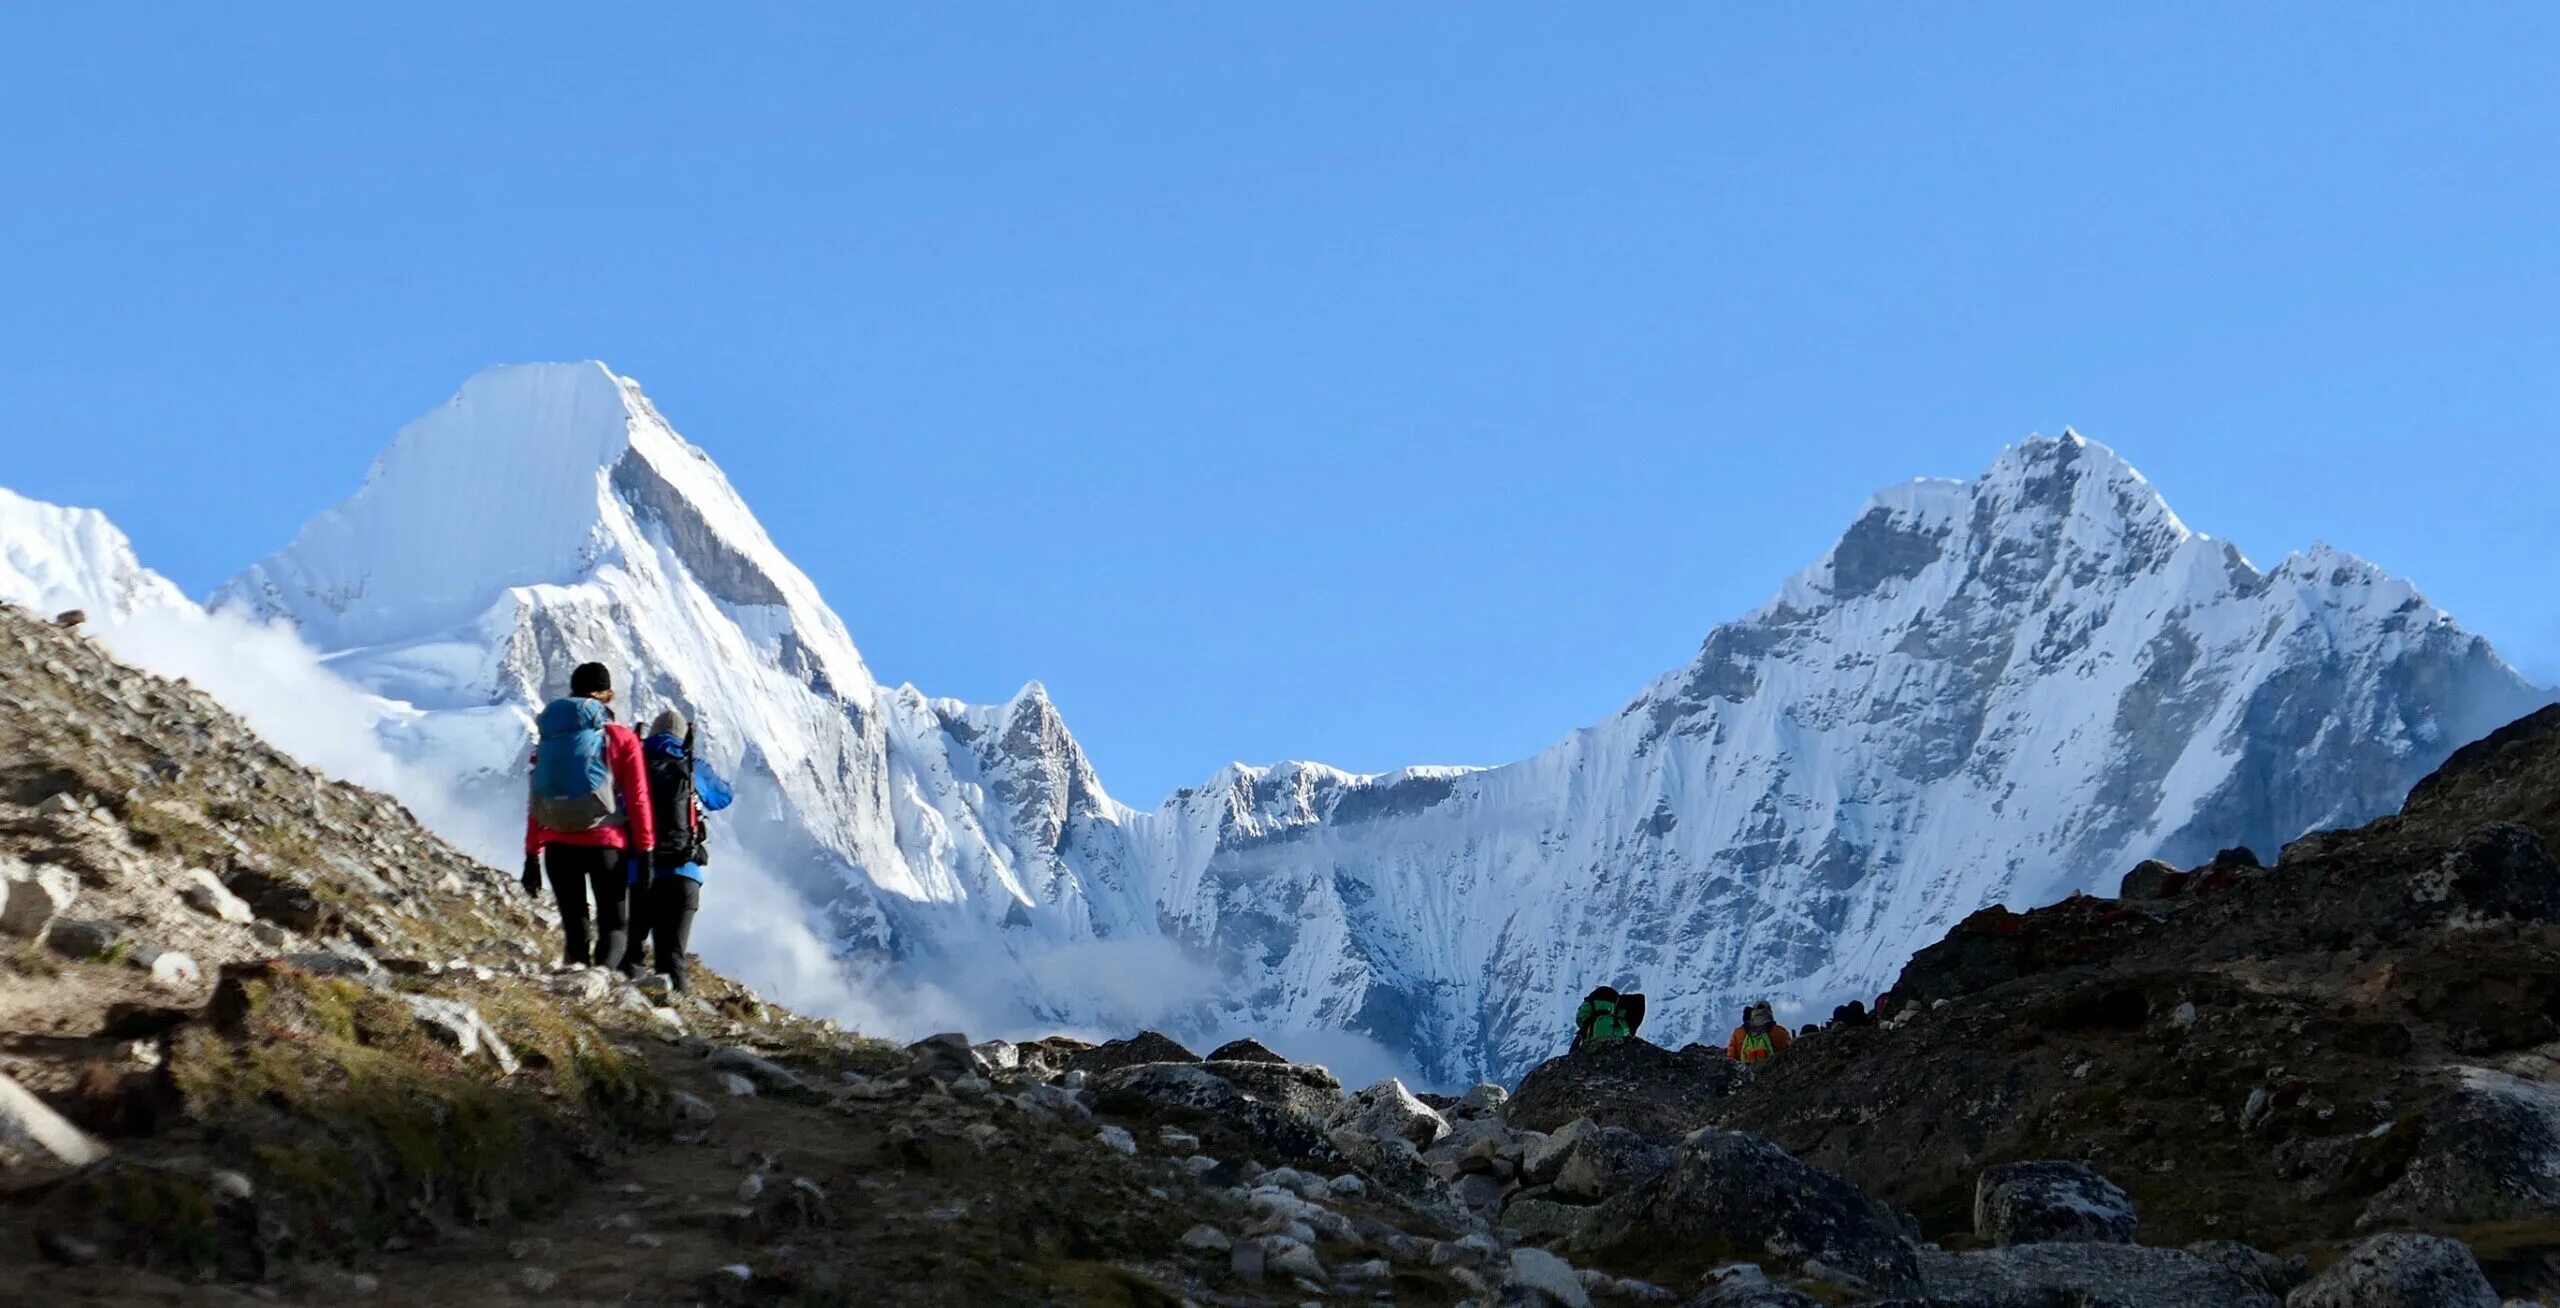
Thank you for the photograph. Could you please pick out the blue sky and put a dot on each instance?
(1381, 384)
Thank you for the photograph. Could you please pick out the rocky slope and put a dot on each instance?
(1986, 690)
(264, 1038)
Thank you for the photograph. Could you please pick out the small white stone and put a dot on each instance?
(1118, 1139)
(738, 1087)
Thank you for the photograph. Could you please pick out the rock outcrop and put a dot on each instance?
(1655, 1092)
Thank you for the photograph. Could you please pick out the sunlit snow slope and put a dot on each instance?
(1997, 689)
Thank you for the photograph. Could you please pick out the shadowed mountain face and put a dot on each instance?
(1994, 690)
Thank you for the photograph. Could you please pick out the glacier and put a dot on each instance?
(2008, 688)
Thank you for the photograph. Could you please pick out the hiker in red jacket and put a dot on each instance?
(587, 819)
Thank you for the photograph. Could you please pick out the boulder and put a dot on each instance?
(2148, 880)
(1395, 1166)
(87, 941)
(31, 1133)
(1744, 1285)
(1631, 1083)
(1483, 1099)
(1388, 1111)
(1605, 1160)
(766, 1073)
(205, 893)
(948, 1057)
(2062, 1274)
(2276, 1276)
(280, 899)
(1543, 1273)
(1734, 1190)
(2482, 1156)
(1244, 1051)
(2399, 1271)
(1539, 1216)
(32, 897)
(1280, 1107)
(2499, 872)
(2032, 1203)
(1137, 1050)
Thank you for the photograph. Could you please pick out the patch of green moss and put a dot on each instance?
(357, 1124)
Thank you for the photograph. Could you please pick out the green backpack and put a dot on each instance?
(1599, 1019)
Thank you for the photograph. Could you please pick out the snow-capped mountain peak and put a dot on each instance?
(2001, 687)
(54, 558)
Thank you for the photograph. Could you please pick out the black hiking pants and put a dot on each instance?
(672, 903)
(575, 869)
(638, 911)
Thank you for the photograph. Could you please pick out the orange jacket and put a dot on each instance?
(1778, 1039)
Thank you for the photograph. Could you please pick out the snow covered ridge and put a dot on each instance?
(1997, 689)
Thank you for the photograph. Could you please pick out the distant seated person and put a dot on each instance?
(1607, 1015)
(1758, 1037)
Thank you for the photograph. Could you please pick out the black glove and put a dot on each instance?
(533, 873)
(637, 867)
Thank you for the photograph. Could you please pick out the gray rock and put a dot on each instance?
(1388, 1111)
(86, 940)
(1633, 1083)
(947, 1056)
(1744, 1285)
(327, 962)
(2399, 1271)
(1246, 1261)
(1736, 1190)
(587, 984)
(32, 897)
(1609, 1160)
(1485, 1098)
(205, 893)
(2114, 1275)
(1396, 1167)
(1541, 1160)
(170, 969)
(2276, 1276)
(1481, 1191)
(2031, 1203)
(1282, 1107)
(31, 1133)
(461, 1026)
(2145, 880)
(1244, 1051)
(1207, 1239)
(1291, 1257)
(1539, 1217)
(1117, 1139)
(1142, 1048)
(2484, 1155)
(1543, 1272)
(767, 1074)
(736, 1086)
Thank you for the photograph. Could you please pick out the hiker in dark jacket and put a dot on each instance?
(587, 820)
(682, 788)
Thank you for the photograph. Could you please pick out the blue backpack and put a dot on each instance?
(572, 780)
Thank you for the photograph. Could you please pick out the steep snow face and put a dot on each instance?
(54, 558)
(548, 516)
(1999, 690)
